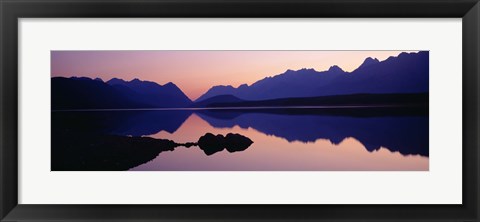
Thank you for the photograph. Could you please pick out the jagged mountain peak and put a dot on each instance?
(116, 81)
(335, 68)
(368, 62)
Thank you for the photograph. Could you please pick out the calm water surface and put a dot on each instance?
(283, 140)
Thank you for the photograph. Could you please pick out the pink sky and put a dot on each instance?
(197, 71)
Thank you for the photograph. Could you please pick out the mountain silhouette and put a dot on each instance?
(407, 99)
(222, 99)
(151, 93)
(86, 93)
(369, 61)
(405, 73)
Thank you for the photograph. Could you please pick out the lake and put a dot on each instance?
(284, 139)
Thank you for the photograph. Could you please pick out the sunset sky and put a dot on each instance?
(197, 71)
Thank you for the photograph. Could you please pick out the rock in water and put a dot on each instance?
(236, 142)
(211, 144)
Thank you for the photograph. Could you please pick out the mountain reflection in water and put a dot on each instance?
(283, 139)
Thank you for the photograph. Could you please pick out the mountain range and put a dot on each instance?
(151, 93)
(406, 73)
(86, 93)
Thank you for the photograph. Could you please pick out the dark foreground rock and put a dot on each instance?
(105, 152)
(87, 152)
(211, 144)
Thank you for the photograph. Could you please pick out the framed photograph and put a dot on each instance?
(239, 110)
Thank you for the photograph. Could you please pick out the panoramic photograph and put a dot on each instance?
(227, 110)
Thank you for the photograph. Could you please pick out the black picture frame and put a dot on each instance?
(12, 10)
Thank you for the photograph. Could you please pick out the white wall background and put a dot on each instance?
(441, 185)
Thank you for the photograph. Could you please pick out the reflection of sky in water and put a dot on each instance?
(269, 152)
